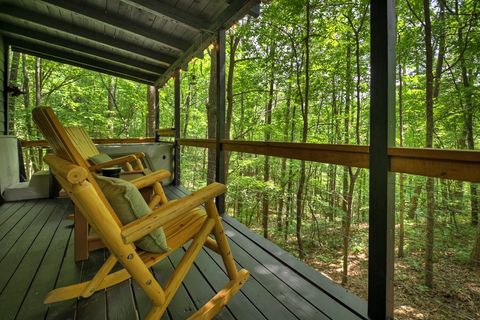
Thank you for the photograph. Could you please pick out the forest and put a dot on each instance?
(300, 73)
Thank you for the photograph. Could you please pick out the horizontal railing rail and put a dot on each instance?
(44, 143)
(448, 164)
(440, 163)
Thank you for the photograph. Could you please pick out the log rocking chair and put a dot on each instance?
(182, 221)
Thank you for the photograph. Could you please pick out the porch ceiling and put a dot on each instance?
(141, 40)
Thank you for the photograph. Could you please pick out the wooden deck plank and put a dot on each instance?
(197, 286)
(17, 288)
(272, 285)
(46, 276)
(70, 273)
(295, 292)
(277, 288)
(5, 205)
(120, 303)
(12, 260)
(7, 209)
(311, 288)
(181, 305)
(161, 272)
(14, 218)
(263, 300)
(299, 275)
(94, 307)
(19, 225)
(240, 305)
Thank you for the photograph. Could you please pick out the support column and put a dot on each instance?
(6, 115)
(220, 129)
(382, 182)
(176, 173)
(157, 110)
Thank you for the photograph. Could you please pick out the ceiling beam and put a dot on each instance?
(236, 10)
(121, 23)
(159, 8)
(65, 27)
(71, 58)
(14, 31)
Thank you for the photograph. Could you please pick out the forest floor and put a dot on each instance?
(456, 290)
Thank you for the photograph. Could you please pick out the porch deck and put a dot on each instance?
(36, 255)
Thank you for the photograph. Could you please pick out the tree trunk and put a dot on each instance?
(151, 90)
(12, 82)
(301, 180)
(284, 160)
(188, 102)
(347, 222)
(414, 201)
(267, 135)
(429, 240)
(111, 92)
(234, 42)
(468, 126)
(401, 209)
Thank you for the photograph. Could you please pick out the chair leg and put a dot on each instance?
(99, 276)
(212, 307)
(182, 268)
(80, 236)
(222, 241)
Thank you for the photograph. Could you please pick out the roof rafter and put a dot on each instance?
(120, 23)
(56, 24)
(158, 7)
(51, 53)
(13, 31)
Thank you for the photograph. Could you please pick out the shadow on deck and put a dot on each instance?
(36, 255)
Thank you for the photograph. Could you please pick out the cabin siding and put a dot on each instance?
(3, 102)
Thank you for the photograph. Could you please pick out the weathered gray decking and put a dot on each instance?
(36, 255)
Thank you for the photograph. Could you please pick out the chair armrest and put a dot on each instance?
(151, 178)
(113, 162)
(139, 154)
(172, 210)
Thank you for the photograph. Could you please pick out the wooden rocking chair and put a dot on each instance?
(87, 150)
(181, 220)
(66, 144)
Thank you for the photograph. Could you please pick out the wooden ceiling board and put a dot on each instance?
(57, 53)
(119, 22)
(85, 33)
(140, 34)
(14, 31)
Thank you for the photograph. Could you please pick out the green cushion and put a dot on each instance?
(100, 158)
(129, 205)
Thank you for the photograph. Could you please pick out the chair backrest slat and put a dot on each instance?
(84, 144)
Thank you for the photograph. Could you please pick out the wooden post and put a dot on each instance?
(382, 182)
(176, 169)
(157, 109)
(220, 130)
(5, 85)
